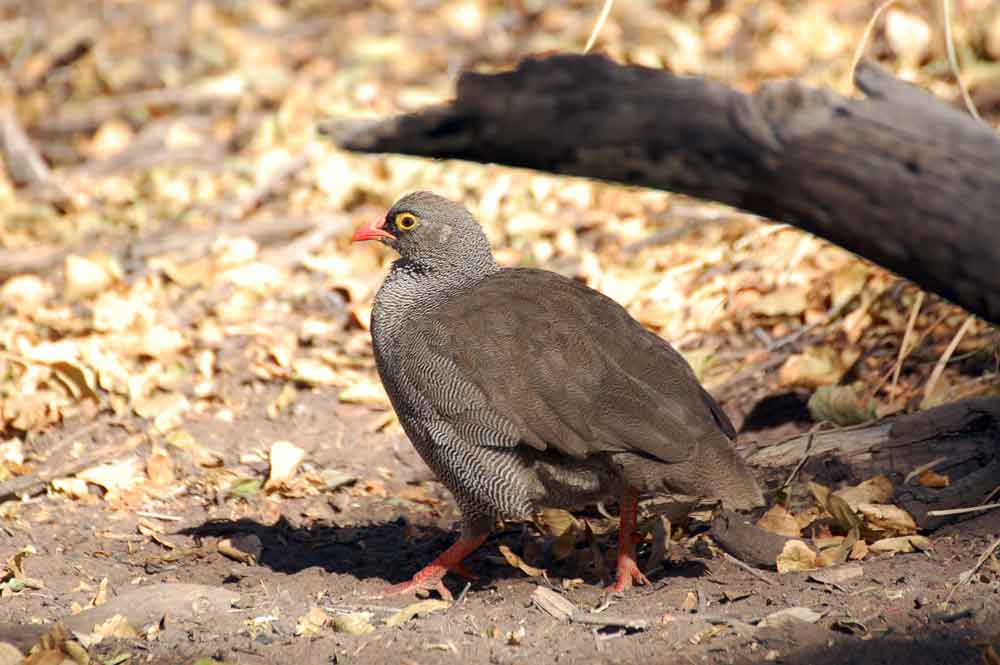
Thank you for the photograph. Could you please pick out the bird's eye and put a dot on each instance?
(405, 221)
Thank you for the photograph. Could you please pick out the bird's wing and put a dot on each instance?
(538, 359)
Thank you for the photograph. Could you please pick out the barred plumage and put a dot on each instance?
(522, 389)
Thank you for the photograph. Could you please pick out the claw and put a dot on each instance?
(627, 569)
(431, 576)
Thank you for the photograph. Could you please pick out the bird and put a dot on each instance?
(523, 389)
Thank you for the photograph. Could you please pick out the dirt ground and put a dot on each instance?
(336, 549)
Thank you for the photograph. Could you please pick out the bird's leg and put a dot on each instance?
(430, 577)
(628, 570)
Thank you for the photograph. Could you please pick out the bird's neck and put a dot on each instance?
(413, 288)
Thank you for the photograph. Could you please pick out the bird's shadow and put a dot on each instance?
(389, 551)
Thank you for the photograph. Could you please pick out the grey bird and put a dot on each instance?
(522, 389)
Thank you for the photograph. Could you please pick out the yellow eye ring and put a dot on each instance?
(405, 221)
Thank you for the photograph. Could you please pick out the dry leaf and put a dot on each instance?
(116, 627)
(790, 615)
(85, 277)
(517, 562)
(796, 556)
(74, 488)
(837, 574)
(778, 520)
(874, 490)
(908, 36)
(121, 475)
(355, 623)
(820, 492)
(313, 372)
(102, 593)
(160, 469)
(789, 301)
(420, 608)
(285, 458)
(841, 511)
(367, 392)
(554, 604)
(888, 518)
(246, 548)
(900, 545)
(840, 405)
(818, 366)
(848, 282)
(859, 551)
(25, 294)
(832, 556)
(311, 622)
(933, 479)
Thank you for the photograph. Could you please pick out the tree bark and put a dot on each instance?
(900, 177)
(962, 437)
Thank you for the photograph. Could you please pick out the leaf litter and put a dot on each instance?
(160, 292)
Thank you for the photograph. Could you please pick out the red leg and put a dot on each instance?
(628, 571)
(430, 576)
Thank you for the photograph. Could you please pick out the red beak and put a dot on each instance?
(372, 232)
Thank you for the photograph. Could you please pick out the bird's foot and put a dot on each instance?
(628, 574)
(431, 576)
(628, 570)
(429, 579)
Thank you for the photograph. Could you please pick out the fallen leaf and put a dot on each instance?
(908, 35)
(778, 520)
(933, 480)
(121, 475)
(245, 548)
(516, 636)
(818, 366)
(367, 392)
(554, 604)
(890, 519)
(790, 615)
(788, 301)
(102, 593)
(333, 479)
(859, 551)
(820, 492)
(285, 458)
(423, 607)
(116, 627)
(841, 511)
(796, 556)
(900, 545)
(517, 562)
(355, 623)
(25, 294)
(311, 622)
(874, 490)
(848, 282)
(838, 553)
(837, 574)
(840, 405)
(74, 488)
(85, 277)
(160, 468)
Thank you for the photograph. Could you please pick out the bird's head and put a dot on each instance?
(432, 231)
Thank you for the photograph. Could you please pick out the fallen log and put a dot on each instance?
(899, 177)
(963, 437)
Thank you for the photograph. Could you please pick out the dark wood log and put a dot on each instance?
(964, 436)
(899, 177)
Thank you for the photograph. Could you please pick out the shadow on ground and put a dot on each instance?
(394, 551)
